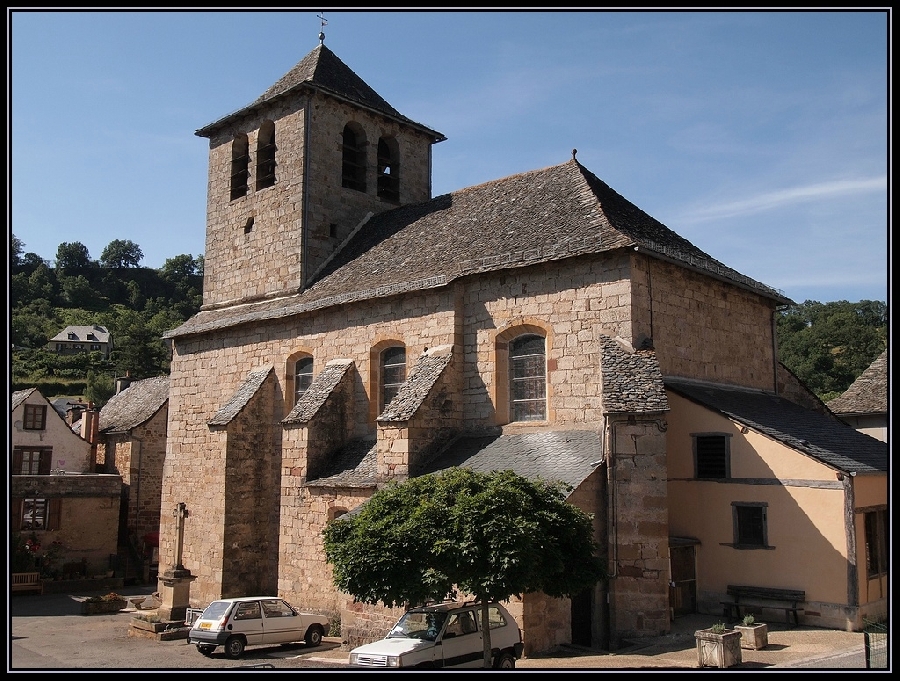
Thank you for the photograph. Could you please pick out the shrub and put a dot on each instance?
(748, 620)
(718, 628)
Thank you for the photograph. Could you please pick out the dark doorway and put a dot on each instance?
(581, 618)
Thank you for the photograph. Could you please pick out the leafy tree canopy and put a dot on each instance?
(16, 248)
(72, 255)
(828, 345)
(492, 535)
(121, 253)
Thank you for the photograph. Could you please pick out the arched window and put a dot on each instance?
(265, 156)
(388, 170)
(353, 170)
(393, 373)
(527, 378)
(303, 375)
(240, 165)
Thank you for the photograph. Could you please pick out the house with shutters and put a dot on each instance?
(76, 339)
(55, 492)
(356, 330)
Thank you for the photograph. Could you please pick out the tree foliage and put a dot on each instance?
(72, 255)
(121, 253)
(493, 535)
(828, 345)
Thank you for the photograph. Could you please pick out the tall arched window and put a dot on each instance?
(240, 165)
(265, 156)
(303, 375)
(353, 169)
(388, 170)
(527, 378)
(393, 373)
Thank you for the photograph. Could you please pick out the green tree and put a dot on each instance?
(77, 291)
(100, 387)
(72, 255)
(828, 345)
(492, 535)
(121, 253)
(16, 248)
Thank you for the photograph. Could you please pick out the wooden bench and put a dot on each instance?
(768, 595)
(27, 581)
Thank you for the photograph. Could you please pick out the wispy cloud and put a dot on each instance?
(785, 197)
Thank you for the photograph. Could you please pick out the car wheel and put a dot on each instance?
(234, 647)
(314, 636)
(206, 650)
(505, 661)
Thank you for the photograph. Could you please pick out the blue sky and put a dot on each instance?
(761, 137)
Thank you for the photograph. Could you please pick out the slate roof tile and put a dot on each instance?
(321, 387)
(632, 380)
(868, 394)
(241, 397)
(135, 405)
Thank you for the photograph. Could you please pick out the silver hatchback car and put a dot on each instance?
(236, 623)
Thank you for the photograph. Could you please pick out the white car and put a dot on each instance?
(236, 623)
(445, 635)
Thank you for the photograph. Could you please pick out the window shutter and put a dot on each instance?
(54, 514)
(15, 515)
(17, 462)
(46, 461)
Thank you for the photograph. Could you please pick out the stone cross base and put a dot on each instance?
(175, 595)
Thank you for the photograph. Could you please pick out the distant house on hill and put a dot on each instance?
(864, 404)
(75, 339)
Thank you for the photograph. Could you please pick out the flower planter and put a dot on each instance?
(102, 607)
(718, 650)
(753, 636)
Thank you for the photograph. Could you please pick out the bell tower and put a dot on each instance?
(295, 172)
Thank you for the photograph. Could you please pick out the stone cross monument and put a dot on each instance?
(175, 582)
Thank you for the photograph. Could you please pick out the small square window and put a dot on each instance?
(750, 526)
(35, 417)
(712, 457)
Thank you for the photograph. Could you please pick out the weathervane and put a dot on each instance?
(321, 17)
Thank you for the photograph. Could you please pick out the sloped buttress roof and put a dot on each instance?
(540, 216)
(135, 405)
(867, 394)
(818, 436)
(323, 71)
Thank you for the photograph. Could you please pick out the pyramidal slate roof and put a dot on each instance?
(418, 384)
(135, 405)
(819, 436)
(632, 380)
(867, 394)
(540, 216)
(316, 395)
(323, 71)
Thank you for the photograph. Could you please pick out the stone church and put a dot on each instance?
(356, 330)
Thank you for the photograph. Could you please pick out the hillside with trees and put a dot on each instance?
(136, 304)
(827, 345)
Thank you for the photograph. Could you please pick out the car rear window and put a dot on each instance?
(215, 610)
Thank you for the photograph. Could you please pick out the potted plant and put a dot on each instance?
(96, 605)
(718, 646)
(754, 635)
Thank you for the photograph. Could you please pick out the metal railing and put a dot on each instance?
(876, 640)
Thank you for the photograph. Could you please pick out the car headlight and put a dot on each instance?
(393, 661)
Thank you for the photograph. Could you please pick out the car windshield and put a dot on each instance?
(418, 624)
(215, 610)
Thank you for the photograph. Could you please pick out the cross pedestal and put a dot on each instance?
(175, 582)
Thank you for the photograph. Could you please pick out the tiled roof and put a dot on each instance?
(818, 436)
(241, 397)
(321, 387)
(867, 394)
(540, 216)
(417, 385)
(19, 397)
(322, 70)
(568, 456)
(632, 380)
(135, 405)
